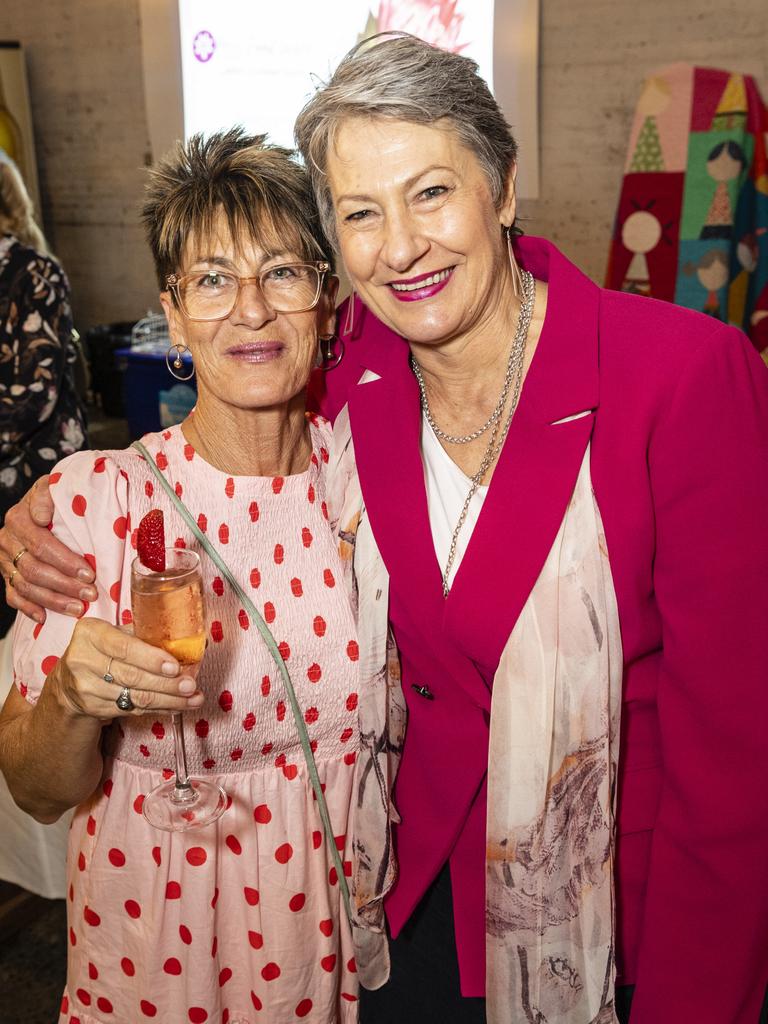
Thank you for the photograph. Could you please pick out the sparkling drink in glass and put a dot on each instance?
(168, 613)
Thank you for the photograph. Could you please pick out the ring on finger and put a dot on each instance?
(10, 578)
(124, 701)
(108, 677)
(17, 556)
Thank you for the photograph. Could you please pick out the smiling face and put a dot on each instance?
(418, 231)
(256, 358)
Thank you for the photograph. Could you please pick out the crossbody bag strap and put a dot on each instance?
(277, 657)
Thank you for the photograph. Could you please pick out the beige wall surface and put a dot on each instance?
(85, 76)
(85, 82)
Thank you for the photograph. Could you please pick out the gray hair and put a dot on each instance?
(403, 78)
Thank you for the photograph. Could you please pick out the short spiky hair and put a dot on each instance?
(260, 189)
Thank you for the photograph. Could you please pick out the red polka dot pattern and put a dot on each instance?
(279, 542)
(296, 903)
(283, 853)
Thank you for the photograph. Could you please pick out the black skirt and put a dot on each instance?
(424, 984)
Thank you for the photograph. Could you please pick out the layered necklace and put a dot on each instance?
(496, 422)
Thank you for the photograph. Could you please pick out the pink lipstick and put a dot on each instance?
(424, 286)
(255, 351)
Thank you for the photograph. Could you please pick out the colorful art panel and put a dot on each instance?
(718, 166)
(644, 250)
(749, 256)
(703, 276)
(662, 112)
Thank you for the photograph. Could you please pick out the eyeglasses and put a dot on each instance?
(213, 294)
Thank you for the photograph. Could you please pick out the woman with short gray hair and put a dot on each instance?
(592, 567)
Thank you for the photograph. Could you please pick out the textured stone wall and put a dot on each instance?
(84, 63)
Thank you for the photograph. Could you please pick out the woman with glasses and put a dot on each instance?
(243, 920)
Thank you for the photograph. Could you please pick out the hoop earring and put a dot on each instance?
(517, 277)
(329, 359)
(177, 364)
(349, 322)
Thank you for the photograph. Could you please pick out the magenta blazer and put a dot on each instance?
(679, 462)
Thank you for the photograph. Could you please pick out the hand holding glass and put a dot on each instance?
(168, 613)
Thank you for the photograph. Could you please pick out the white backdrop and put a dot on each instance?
(255, 63)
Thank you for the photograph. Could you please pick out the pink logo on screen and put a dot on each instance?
(203, 46)
(437, 23)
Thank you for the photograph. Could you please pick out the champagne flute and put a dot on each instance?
(168, 613)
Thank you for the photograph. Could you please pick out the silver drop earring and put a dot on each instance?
(517, 277)
(349, 322)
(176, 364)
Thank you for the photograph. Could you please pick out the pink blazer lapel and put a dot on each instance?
(537, 470)
(385, 416)
(530, 489)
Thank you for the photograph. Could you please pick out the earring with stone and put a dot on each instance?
(174, 361)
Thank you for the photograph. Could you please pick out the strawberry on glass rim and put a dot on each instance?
(150, 541)
(167, 606)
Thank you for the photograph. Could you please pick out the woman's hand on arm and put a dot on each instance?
(50, 753)
(48, 574)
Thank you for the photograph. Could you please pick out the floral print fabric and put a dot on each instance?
(41, 417)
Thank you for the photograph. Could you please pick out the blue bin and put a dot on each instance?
(153, 399)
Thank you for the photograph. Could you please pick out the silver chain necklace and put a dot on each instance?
(512, 383)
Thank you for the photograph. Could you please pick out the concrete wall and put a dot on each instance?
(85, 81)
(84, 62)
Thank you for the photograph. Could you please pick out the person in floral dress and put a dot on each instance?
(242, 921)
(42, 418)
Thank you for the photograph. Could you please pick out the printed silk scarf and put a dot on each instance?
(551, 784)
(553, 755)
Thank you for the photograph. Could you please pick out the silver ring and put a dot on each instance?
(108, 677)
(124, 701)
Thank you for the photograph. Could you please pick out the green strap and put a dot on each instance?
(277, 657)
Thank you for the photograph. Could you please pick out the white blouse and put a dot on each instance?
(447, 489)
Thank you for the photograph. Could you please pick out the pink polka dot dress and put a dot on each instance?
(242, 921)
